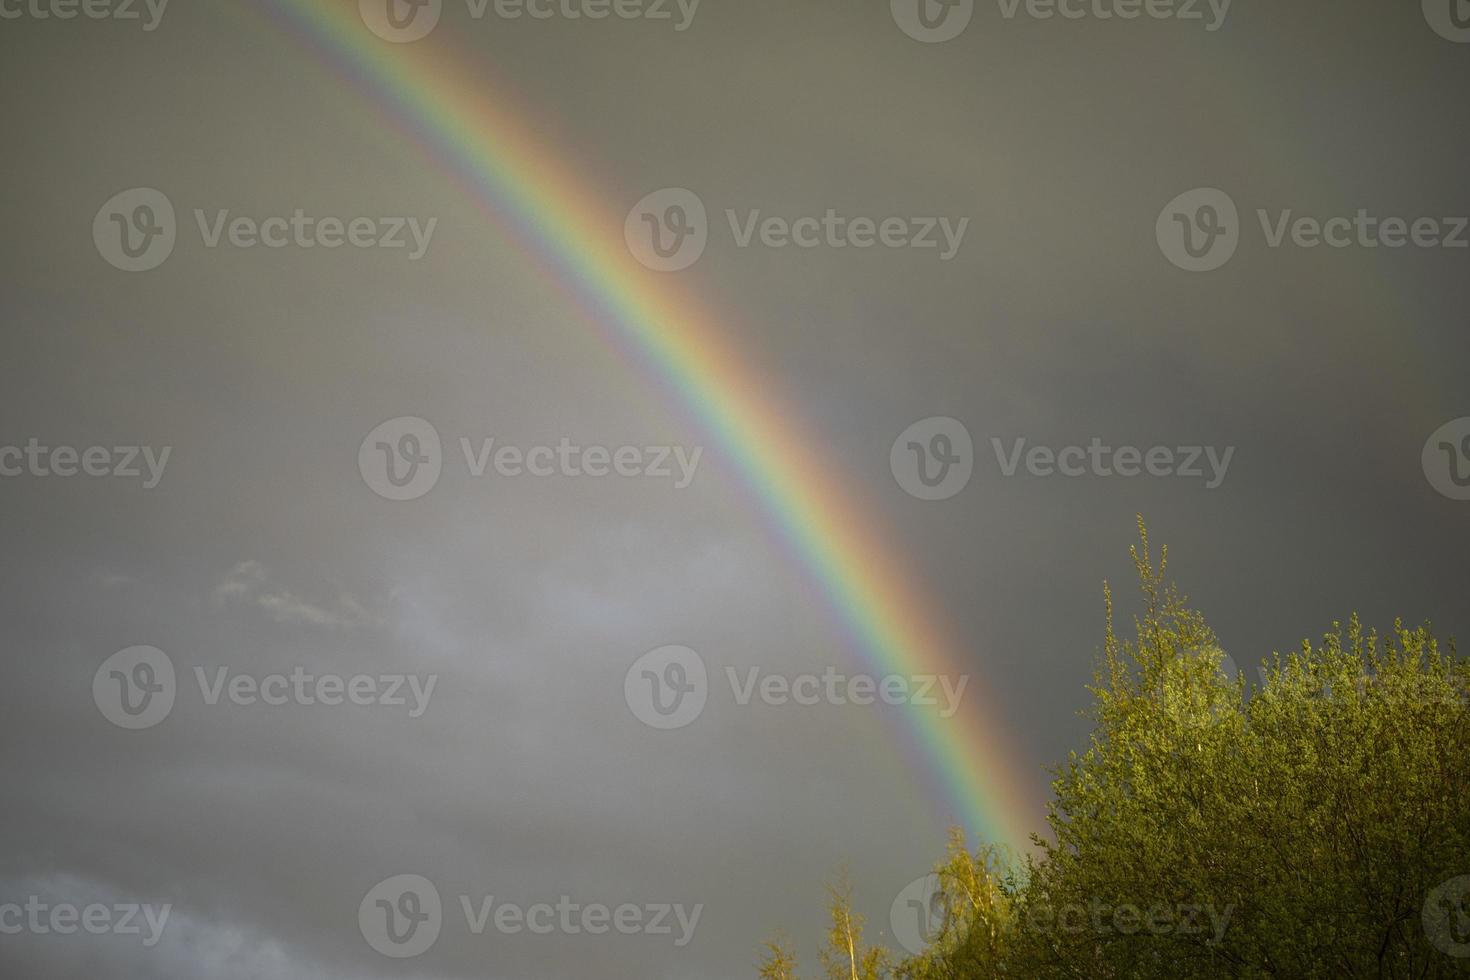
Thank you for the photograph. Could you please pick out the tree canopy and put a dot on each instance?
(1310, 821)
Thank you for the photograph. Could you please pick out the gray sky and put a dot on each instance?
(528, 776)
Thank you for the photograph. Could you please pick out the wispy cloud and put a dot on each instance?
(112, 580)
(249, 583)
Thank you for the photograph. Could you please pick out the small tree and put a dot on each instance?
(844, 956)
(779, 961)
(978, 894)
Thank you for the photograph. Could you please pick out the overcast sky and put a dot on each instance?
(1320, 377)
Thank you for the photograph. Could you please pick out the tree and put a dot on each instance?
(844, 956)
(977, 894)
(1314, 824)
(1291, 828)
(779, 962)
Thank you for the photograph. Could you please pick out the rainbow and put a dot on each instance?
(523, 183)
